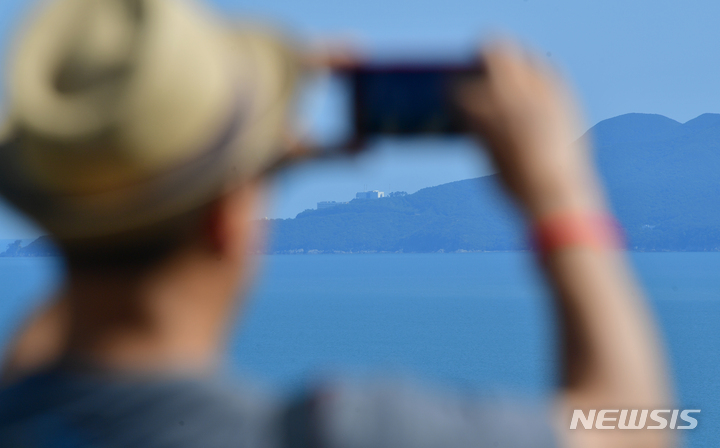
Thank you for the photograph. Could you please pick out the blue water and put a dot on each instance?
(479, 321)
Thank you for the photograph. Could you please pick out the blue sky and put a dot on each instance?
(659, 56)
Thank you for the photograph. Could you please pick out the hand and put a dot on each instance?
(314, 61)
(526, 116)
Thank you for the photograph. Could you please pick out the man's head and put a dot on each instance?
(137, 133)
(132, 122)
(149, 307)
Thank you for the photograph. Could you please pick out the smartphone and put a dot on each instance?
(352, 105)
(407, 100)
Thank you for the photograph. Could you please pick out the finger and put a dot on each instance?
(336, 56)
(473, 98)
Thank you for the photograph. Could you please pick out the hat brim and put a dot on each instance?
(249, 142)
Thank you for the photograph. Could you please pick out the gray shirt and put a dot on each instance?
(68, 409)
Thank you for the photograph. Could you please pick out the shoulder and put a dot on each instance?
(140, 413)
(404, 414)
(183, 413)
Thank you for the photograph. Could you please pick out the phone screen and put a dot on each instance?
(407, 100)
(380, 100)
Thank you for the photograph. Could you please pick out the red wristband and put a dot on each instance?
(599, 232)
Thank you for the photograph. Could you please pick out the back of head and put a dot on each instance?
(126, 117)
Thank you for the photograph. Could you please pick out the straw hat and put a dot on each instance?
(124, 113)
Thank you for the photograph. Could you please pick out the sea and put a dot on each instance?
(474, 322)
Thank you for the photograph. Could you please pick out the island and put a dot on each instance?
(662, 178)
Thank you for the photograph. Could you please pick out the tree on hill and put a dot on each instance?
(12, 249)
(41, 247)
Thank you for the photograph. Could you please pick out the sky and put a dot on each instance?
(621, 56)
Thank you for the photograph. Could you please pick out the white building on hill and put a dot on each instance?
(375, 194)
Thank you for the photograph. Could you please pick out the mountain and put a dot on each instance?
(466, 215)
(662, 177)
